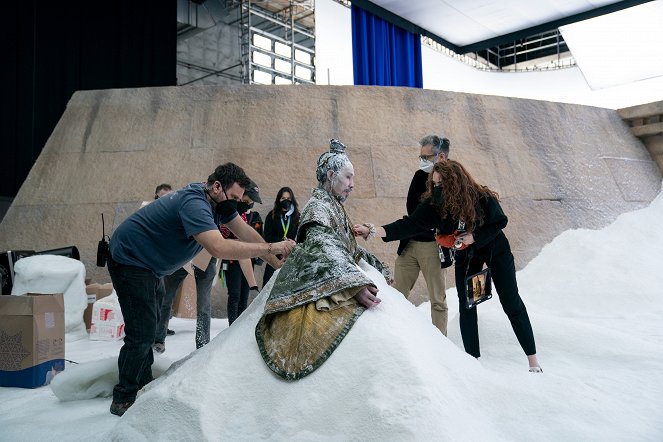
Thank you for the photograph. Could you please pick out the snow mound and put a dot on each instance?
(226, 390)
(56, 274)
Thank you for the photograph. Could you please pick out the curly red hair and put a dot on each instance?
(461, 194)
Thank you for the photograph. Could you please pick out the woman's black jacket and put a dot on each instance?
(426, 217)
(273, 230)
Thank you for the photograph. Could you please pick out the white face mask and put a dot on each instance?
(426, 165)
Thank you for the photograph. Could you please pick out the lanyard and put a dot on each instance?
(286, 227)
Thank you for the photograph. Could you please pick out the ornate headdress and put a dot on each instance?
(333, 160)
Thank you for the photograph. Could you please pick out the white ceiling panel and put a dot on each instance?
(464, 22)
(618, 48)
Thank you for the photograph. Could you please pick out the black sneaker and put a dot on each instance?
(118, 408)
(159, 347)
(170, 332)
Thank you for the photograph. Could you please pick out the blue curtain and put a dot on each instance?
(384, 54)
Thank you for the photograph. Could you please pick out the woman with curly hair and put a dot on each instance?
(470, 214)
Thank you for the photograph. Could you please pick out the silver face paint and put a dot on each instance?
(342, 183)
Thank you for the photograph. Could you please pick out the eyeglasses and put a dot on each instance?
(427, 157)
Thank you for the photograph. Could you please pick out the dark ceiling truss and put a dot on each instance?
(526, 49)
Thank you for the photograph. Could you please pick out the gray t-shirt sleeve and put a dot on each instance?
(196, 215)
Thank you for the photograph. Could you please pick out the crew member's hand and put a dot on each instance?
(368, 296)
(273, 261)
(360, 230)
(283, 247)
(466, 238)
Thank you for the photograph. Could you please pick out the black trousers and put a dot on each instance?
(269, 271)
(238, 291)
(499, 258)
(137, 290)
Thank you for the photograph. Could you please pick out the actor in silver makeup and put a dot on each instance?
(320, 292)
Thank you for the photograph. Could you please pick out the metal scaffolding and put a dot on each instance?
(277, 41)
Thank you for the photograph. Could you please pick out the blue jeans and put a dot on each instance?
(238, 291)
(204, 281)
(137, 290)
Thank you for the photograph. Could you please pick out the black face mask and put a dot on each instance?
(242, 207)
(438, 196)
(226, 208)
(285, 205)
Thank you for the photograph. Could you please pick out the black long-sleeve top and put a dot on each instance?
(273, 230)
(425, 217)
(417, 188)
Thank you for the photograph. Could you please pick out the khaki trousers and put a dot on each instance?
(423, 256)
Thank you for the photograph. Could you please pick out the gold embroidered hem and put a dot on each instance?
(338, 299)
(294, 343)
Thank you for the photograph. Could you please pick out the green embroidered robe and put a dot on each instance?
(311, 306)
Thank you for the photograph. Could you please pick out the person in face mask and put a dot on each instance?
(158, 240)
(281, 222)
(238, 274)
(420, 254)
(455, 204)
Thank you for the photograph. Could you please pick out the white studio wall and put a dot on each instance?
(442, 72)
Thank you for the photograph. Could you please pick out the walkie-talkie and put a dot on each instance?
(103, 248)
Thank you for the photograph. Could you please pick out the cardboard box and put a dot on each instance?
(202, 260)
(94, 292)
(185, 304)
(31, 339)
(107, 320)
(110, 331)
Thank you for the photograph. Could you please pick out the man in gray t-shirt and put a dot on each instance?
(159, 239)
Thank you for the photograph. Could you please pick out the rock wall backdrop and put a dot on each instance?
(556, 166)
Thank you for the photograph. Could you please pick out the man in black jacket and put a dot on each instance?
(420, 253)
